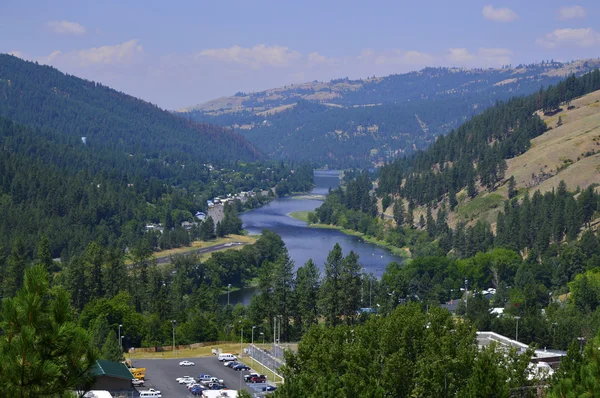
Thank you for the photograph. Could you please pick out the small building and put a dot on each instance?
(200, 215)
(111, 376)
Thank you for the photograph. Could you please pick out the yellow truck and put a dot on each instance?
(138, 373)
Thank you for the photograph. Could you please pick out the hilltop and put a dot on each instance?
(43, 97)
(366, 122)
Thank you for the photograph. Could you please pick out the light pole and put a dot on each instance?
(173, 322)
(130, 363)
(252, 347)
(517, 328)
(279, 333)
(263, 335)
(120, 343)
(466, 296)
(241, 339)
(228, 288)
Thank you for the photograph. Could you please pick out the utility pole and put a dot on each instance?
(120, 343)
(274, 331)
(173, 322)
(466, 296)
(241, 340)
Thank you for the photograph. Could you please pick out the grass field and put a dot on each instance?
(200, 245)
(301, 215)
(479, 205)
(567, 152)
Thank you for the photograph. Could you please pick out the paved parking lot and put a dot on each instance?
(161, 375)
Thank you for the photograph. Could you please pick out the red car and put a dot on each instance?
(258, 379)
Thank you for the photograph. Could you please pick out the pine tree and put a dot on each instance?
(220, 232)
(398, 211)
(512, 187)
(330, 289)
(111, 350)
(15, 268)
(350, 281)
(44, 255)
(307, 293)
(430, 222)
(99, 331)
(42, 350)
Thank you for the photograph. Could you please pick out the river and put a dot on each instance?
(303, 242)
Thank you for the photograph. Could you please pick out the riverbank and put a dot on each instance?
(302, 215)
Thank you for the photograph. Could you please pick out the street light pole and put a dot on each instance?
(263, 335)
(252, 348)
(228, 288)
(466, 296)
(120, 343)
(241, 340)
(517, 328)
(173, 322)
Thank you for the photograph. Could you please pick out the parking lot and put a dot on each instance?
(161, 375)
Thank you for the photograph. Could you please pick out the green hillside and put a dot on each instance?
(41, 96)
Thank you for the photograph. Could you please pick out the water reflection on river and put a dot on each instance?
(304, 243)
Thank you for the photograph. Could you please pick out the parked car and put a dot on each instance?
(137, 382)
(258, 379)
(227, 357)
(197, 390)
(269, 388)
(186, 363)
(184, 377)
(187, 381)
(151, 393)
(211, 380)
(248, 377)
(230, 364)
(241, 366)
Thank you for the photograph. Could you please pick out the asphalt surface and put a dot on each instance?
(165, 260)
(161, 375)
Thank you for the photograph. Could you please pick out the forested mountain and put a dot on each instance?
(81, 162)
(41, 96)
(364, 122)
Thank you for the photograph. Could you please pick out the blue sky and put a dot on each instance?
(180, 53)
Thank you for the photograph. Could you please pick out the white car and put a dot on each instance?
(137, 382)
(186, 363)
(226, 363)
(181, 378)
(187, 381)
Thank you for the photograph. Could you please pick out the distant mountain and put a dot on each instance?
(365, 122)
(41, 96)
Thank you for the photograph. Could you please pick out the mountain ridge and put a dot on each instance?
(362, 123)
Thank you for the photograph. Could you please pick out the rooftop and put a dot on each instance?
(111, 369)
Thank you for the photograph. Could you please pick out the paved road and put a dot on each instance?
(165, 260)
(161, 374)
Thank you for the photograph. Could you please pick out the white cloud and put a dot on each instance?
(582, 37)
(17, 53)
(106, 55)
(499, 14)
(394, 57)
(572, 12)
(255, 57)
(484, 57)
(459, 56)
(66, 28)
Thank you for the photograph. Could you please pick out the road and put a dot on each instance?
(165, 260)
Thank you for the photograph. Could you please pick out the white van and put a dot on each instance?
(150, 393)
(227, 357)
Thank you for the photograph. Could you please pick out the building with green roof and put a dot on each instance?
(111, 376)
